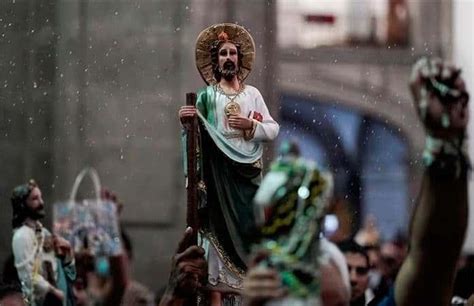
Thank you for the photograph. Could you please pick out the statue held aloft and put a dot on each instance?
(234, 122)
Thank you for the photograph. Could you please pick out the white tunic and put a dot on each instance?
(28, 252)
(250, 101)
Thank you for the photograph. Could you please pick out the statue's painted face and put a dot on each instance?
(228, 61)
(35, 204)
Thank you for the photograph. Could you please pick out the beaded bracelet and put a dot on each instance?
(446, 158)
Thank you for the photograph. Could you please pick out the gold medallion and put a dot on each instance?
(232, 109)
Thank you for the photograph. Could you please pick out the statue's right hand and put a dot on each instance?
(187, 113)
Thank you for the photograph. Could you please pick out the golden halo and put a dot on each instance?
(236, 34)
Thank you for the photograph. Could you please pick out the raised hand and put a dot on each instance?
(188, 268)
(439, 219)
(262, 284)
(441, 98)
(108, 195)
(63, 248)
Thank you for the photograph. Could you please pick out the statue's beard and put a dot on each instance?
(228, 71)
(36, 213)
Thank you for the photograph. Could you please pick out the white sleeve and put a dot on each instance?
(24, 251)
(268, 129)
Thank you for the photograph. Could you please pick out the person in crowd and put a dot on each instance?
(189, 271)
(392, 254)
(9, 273)
(463, 289)
(358, 265)
(11, 295)
(136, 294)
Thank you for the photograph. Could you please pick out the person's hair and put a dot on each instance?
(18, 199)
(9, 272)
(8, 289)
(127, 243)
(464, 282)
(215, 57)
(85, 263)
(350, 246)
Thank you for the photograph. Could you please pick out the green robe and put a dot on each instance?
(231, 177)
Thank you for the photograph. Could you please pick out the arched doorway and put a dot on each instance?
(368, 158)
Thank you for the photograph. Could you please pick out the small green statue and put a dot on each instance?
(291, 201)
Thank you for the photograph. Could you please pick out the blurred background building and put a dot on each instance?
(99, 83)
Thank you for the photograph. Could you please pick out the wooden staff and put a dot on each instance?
(192, 219)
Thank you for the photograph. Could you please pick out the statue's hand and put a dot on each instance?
(443, 115)
(187, 114)
(240, 122)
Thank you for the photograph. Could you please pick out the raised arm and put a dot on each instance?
(440, 218)
(117, 259)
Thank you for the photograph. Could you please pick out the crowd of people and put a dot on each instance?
(425, 268)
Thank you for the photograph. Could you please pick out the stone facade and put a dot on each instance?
(27, 92)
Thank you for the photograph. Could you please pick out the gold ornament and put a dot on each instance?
(232, 109)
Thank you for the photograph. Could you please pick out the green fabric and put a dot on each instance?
(229, 212)
(66, 277)
(226, 208)
(205, 104)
